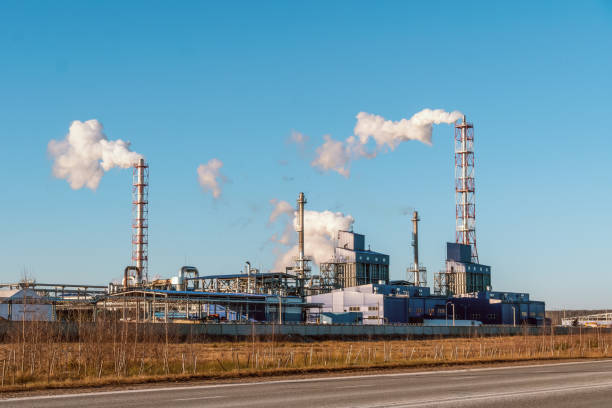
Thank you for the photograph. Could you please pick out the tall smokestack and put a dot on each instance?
(140, 225)
(465, 201)
(415, 246)
(300, 230)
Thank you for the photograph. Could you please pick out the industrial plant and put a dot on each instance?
(352, 286)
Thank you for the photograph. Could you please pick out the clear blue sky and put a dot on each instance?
(189, 81)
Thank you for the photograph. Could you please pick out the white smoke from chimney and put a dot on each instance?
(333, 155)
(86, 153)
(387, 134)
(210, 177)
(280, 208)
(320, 230)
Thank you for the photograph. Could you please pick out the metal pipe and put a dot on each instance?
(125, 274)
(415, 246)
(300, 230)
(248, 269)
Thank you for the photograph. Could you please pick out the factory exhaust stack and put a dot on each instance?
(465, 201)
(140, 224)
(415, 244)
(417, 274)
(300, 230)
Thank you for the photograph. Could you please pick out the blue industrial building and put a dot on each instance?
(382, 304)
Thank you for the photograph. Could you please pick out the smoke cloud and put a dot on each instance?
(386, 134)
(210, 177)
(86, 153)
(320, 230)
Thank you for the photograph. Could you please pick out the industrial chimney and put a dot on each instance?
(417, 275)
(465, 201)
(300, 230)
(140, 224)
(415, 245)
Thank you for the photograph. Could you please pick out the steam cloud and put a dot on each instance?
(86, 153)
(337, 155)
(320, 229)
(210, 177)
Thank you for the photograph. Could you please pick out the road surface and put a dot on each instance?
(574, 384)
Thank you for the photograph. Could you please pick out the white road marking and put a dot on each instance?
(492, 396)
(356, 386)
(301, 380)
(198, 398)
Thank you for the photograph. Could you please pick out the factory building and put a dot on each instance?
(353, 264)
(499, 308)
(462, 275)
(381, 303)
(24, 304)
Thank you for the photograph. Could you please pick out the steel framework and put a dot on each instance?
(465, 186)
(140, 223)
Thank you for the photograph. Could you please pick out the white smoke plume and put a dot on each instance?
(280, 208)
(337, 155)
(210, 177)
(333, 155)
(86, 153)
(320, 230)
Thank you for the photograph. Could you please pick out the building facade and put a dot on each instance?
(462, 275)
(354, 265)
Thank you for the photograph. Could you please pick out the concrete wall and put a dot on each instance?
(237, 331)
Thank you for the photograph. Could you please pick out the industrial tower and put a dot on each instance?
(140, 223)
(417, 274)
(464, 186)
(302, 265)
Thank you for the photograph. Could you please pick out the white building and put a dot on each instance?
(24, 304)
(356, 299)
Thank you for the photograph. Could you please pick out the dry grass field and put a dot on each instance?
(35, 357)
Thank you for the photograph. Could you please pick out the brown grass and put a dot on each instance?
(35, 356)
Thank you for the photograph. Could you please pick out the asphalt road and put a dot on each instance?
(576, 384)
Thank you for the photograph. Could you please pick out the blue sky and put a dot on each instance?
(189, 82)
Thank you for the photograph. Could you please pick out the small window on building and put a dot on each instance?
(372, 307)
(475, 316)
(524, 314)
(354, 308)
(375, 259)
